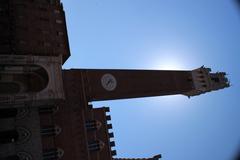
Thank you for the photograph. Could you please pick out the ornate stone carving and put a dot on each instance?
(22, 112)
(54, 89)
(24, 135)
(24, 156)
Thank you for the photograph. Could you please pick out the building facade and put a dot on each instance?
(46, 112)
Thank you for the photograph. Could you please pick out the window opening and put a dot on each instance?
(96, 145)
(9, 136)
(93, 125)
(53, 154)
(8, 113)
(59, 21)
(50, 130)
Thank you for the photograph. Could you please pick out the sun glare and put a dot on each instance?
(169, 62)
(169, 59)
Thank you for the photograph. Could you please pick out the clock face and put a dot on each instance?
(109, 82)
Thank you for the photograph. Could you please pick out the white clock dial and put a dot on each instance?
(109, 82)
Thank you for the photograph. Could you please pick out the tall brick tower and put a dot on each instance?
(46, 112)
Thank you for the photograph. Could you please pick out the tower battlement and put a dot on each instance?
(205, 81)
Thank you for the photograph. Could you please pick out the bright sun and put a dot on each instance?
(169, 60)
(169, 64)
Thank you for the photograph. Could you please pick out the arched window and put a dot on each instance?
(16, 79)
(23, 135)
(50, 130)
(53, 154)
(93, 125)
(19, 135)
(95, 145)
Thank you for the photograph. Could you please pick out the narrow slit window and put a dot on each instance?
(58, 21)
(59, 33)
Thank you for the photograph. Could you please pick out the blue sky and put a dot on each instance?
(164, 34)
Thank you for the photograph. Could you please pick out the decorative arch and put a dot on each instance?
(23, 135)
(30, 80)
(20, 79)
(24, 156)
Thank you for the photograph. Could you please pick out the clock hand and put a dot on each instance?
(109, 82)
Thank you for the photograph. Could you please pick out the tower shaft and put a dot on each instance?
(108, 84)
